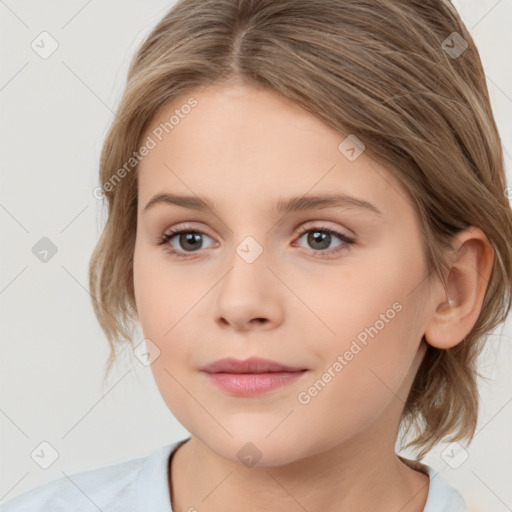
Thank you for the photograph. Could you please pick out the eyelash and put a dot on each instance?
(167, 237)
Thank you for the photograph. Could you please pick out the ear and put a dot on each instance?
(455, 315)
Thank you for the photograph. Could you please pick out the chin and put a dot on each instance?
(258, 451)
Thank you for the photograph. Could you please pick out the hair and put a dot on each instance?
(378, 69)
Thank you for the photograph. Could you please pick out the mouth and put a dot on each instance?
(251, 365)
(252, 376)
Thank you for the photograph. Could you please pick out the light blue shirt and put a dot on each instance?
(141, 485)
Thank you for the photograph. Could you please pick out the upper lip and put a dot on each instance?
(251, 365)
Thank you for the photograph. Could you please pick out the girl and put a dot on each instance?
(337, 166)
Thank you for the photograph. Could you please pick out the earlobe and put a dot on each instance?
(456, 309)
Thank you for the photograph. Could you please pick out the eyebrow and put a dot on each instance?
(281, 206)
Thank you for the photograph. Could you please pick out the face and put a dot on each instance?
(335, 289)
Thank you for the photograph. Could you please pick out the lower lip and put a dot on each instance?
(249, 384)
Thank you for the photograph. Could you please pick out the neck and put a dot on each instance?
(344, 477)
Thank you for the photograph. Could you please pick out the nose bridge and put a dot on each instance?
(250, 249)
(250, 242)
(249, 237)
(248, 264)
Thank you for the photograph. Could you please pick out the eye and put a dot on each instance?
(189, 239)
(320, 238)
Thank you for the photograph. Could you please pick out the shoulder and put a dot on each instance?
(112, 488)
(442, 497)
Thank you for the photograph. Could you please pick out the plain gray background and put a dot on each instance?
(55, 113)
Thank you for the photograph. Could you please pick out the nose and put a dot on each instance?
(249, 296)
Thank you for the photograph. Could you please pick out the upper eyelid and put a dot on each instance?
(303, 226)
(320, 224)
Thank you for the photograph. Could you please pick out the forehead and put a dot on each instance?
(244, 145)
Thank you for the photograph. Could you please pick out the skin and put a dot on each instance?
(244, 148)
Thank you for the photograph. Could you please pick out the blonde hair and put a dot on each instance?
(379, 69)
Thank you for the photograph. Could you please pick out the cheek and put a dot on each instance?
(358, 380)
(165, 296)
(375, 331)
(163, 292)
